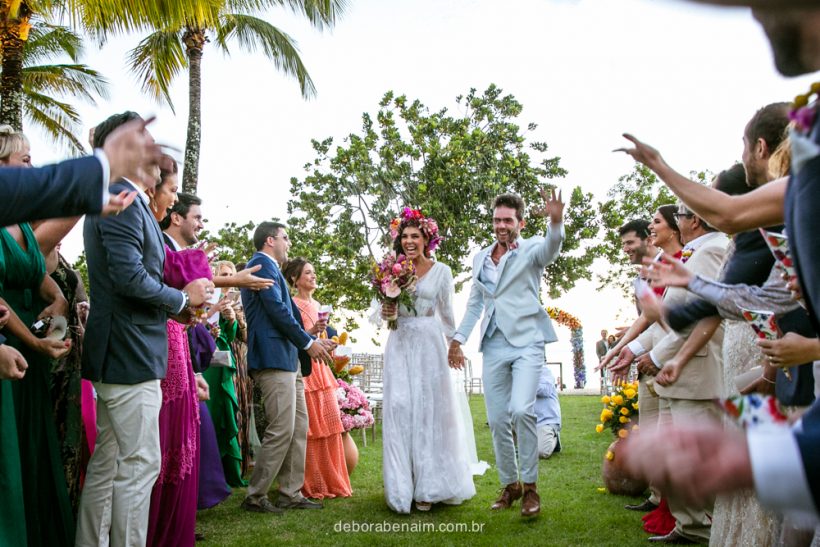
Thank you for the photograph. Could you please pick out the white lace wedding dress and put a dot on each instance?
(425, 453)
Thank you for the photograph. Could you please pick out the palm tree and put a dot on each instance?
(100, 18)
(162, 55)
(42, 82)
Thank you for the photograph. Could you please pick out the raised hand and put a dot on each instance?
(642, 153)
(553, 206)
(671, 272)
(131, 150)
(247, 280)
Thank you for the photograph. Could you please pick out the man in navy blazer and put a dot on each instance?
(276, 339)
(72, 187)
(125, 354)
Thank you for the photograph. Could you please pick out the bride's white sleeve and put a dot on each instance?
(444, 304)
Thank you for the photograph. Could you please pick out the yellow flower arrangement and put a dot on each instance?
(620, 407)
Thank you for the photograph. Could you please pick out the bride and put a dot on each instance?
(425, 453)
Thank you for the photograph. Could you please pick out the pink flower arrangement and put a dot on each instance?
(355, 410)
(394, 279)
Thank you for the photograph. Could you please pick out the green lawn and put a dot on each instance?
(573, 511)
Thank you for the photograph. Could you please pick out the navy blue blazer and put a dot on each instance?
(69, 188)
(802, 225)
(275, 332)
(126, 341)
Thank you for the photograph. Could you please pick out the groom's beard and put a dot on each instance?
(511, 237)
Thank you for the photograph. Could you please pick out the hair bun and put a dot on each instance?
(6, 129)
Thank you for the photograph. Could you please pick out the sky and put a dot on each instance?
(681, 76)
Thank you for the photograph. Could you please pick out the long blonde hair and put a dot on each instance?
(11, 141)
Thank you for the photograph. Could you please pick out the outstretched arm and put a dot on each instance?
(731, 214)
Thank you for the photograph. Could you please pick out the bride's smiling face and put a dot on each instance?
(413, 242)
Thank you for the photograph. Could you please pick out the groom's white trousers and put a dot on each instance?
(510, 376)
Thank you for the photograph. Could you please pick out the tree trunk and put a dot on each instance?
(194, 40)
(13, 38)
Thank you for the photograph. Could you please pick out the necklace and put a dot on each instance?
(804, 110)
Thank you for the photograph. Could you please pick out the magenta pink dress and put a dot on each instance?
(172, 518)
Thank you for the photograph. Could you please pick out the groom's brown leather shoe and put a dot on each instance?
(509, 494)
(531, 504)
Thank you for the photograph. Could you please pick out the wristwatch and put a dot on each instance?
(186, 300)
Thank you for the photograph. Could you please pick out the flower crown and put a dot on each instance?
(427, 225)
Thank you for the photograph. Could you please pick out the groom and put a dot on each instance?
(506, 283)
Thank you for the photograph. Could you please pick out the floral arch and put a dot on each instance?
(576, 339)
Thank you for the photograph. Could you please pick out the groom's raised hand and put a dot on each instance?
(553, 206)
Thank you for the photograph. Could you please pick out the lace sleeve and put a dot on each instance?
(774, 296)
(444, 303)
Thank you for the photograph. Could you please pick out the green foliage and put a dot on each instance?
(450, 165)
(636, 195)
(45, 85)
(233, 241)
(81, 266)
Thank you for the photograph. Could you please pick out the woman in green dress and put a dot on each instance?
(37, 494)
(223, 404)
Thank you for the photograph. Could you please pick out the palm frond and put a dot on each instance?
(78, 81)
(156, 61)
(103, 18)
(252, 33)
(46, 41)
(321, 13)
(58, 119)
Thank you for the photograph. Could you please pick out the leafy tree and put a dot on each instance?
(450, 165)
(636, 195)
(169, 50)
(233, 241)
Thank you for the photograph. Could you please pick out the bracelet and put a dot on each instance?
(767, 380)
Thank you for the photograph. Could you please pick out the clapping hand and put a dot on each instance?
(199, 291)
(553, 206)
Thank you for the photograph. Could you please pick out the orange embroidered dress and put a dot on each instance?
(325, 468)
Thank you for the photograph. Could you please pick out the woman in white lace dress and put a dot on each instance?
(425, 454)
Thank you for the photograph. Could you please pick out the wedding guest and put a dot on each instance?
(601, 347)
(778, 464)
(223, 405)
(126, 355)
(39, 508)
(66, 379)
(421, 417)
(172, 515)
(279, 354)
(242, 381)
(325, 467)
(548, 415)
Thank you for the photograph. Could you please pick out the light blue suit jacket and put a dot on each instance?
(518, 311)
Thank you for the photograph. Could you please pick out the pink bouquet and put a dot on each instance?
(394, 279)
(354, 406)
